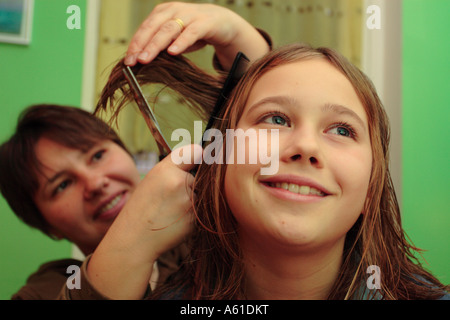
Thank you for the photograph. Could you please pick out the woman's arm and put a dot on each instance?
(156, 218)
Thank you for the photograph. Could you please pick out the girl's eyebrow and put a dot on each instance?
(340, 109)
(281, 100)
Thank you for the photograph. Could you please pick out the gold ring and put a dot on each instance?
(180, 23)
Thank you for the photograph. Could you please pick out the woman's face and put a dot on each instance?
(80, 193)
(325, 159)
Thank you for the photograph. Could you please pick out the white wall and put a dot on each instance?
(382, 61)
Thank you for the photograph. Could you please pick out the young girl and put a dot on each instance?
(327, 225)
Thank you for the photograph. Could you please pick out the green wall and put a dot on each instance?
(49, 70)
(426, 134)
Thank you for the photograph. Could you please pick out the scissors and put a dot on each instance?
(147, 112)
(239, 66)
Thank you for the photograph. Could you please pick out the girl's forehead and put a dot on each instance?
(309, 81)
(311, 71)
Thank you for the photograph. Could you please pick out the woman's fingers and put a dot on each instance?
(180, 27)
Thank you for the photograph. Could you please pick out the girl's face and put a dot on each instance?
(325, 159)
(80, 193)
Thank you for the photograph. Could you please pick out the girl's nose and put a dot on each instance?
(302, 145)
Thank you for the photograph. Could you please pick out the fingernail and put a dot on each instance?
(173, 49)
(129, 60)
(143, 55)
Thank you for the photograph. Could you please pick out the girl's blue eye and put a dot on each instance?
(276, 120)
(343, 130)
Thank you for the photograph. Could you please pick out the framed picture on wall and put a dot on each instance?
(15, 21)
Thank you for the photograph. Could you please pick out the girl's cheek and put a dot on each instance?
(269, 151)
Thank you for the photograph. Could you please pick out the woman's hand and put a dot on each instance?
(185, 27)
(157, 217)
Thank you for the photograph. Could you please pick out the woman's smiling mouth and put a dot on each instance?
(111, 208)
(111, 204)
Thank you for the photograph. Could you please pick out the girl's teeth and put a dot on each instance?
(304, 190)
(295, 188)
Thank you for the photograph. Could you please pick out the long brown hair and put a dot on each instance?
(214, 269)
(174, 72)
(19, 167)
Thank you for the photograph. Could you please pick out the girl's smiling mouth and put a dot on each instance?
(294, 188)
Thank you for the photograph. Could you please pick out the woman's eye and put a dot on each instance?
(277, 120)
(98, 155)
(62, 186)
